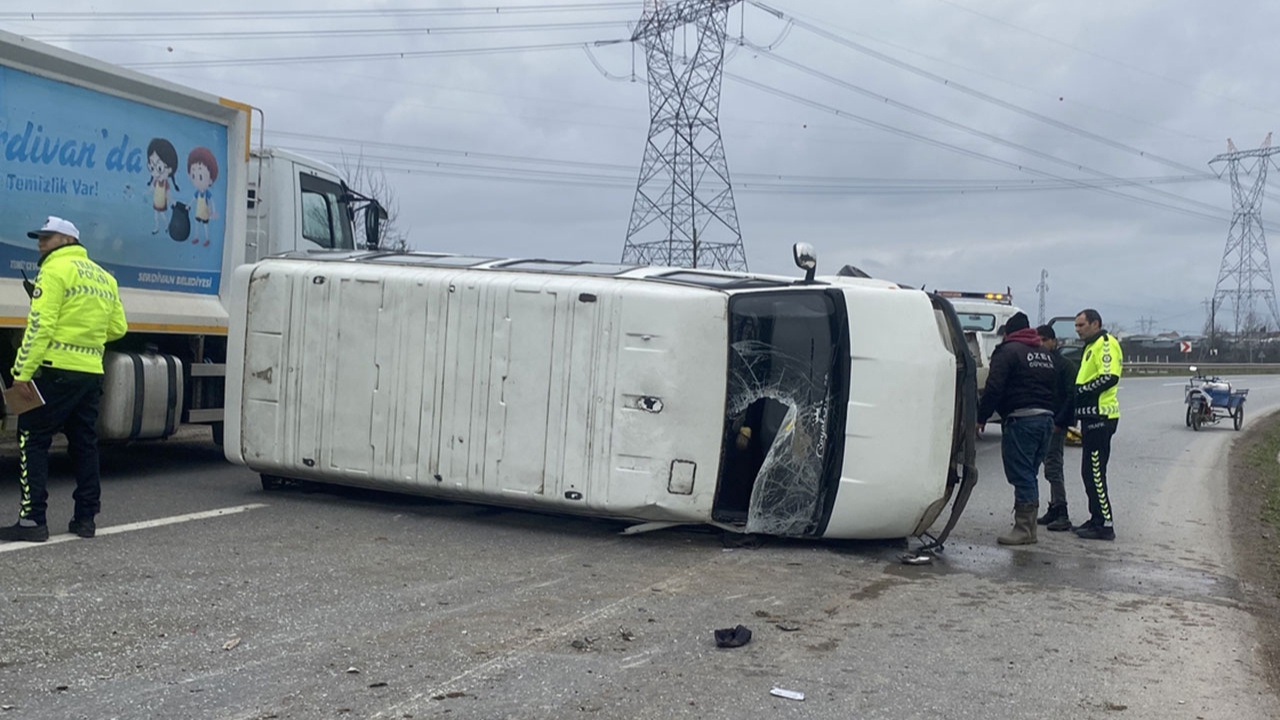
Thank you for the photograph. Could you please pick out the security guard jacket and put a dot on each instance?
(75, 312)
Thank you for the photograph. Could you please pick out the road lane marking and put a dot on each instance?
(143, 525)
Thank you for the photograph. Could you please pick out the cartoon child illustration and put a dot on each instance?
(162, 162)
(202, 168)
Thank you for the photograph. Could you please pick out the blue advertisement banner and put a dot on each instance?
(145, 187)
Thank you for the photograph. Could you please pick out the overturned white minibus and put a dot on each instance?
(837, 407)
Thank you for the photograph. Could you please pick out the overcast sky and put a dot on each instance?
(1173, 79)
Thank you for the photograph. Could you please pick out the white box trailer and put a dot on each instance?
(170, 196)
(823, 409)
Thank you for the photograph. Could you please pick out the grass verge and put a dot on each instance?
(1255, 529)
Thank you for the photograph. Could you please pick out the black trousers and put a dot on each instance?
(71, 407)
(1096, 443)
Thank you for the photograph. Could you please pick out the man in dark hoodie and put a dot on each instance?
(1020, 386)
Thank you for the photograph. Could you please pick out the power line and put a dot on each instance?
(959, 182)
(980, 133)
(958, 149)
(622, 175)
(980, 95)
(343, 32)
(1004, 81)
(305, 59)
(187, 16)
(1104, 58)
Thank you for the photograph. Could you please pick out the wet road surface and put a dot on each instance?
(348, 604)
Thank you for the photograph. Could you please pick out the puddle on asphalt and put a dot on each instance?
(1086, 574)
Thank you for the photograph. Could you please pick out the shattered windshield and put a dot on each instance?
(784, 420)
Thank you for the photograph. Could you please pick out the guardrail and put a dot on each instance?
(1149, 368)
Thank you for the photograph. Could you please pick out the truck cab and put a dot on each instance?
(295, 204)
(982, 316)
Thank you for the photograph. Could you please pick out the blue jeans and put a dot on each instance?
(1024, 443)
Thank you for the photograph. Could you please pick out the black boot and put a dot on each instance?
(25, 533)
(1062, 523)
(1053, 513)
(84, 528)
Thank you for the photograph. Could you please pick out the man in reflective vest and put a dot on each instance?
(75, 312)
(1098, 411)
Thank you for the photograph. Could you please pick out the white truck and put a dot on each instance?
(982, 315)
(170, 197)
(830, 407)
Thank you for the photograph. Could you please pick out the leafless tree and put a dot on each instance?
(372, 182)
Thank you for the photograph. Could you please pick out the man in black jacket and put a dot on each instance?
(1020, 386)
(1056, 517)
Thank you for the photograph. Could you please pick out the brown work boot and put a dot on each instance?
(1024, 525)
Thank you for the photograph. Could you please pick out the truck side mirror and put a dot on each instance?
(374, 216)
(806, 259)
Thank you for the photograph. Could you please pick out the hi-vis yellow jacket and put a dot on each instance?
(1099, 376)
(75, 312)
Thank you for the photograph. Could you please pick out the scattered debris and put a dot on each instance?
(762, 614)
(733, 637)
(921, 557)
(1116, 706)
(788, 694)
(449, 696)
(377, 685)
(60, 688)
(7, 708)
(353, 671)
(787, 627)
(231, 644)
(626, 634)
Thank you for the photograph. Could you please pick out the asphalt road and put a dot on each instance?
(345, 604)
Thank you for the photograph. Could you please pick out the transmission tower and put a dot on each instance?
(684, 214)
(1043, 289)
(1245, 276)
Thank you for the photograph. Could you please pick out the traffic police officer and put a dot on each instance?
(1098, 411)
(75, 311)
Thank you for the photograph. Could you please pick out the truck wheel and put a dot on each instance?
(271, 483)
(1195, 418)
(1188, 416)
(217, 433)
(1239, 415)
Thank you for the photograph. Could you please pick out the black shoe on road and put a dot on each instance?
(1062, 524)
(1086, 524)
(1052, 513)
(24, 533)
(83, 528)
(1096, 532)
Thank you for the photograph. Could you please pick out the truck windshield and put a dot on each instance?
(324, 216)
(785, 411)
(978, 322)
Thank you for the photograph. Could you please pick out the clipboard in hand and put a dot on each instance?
(18, 403)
